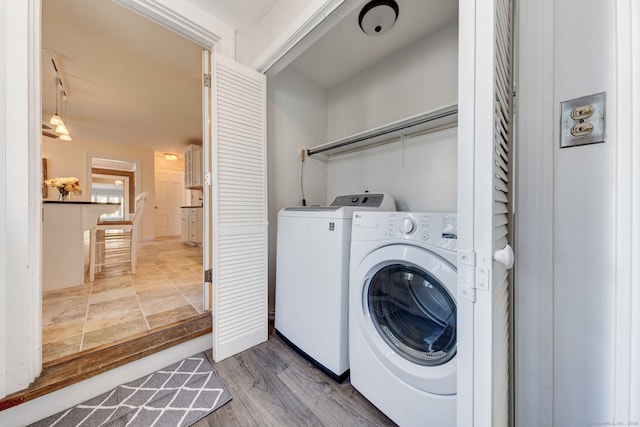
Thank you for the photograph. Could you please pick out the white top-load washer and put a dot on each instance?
(312, 275)
(402, 314)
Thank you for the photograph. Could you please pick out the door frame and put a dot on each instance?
(22, 355)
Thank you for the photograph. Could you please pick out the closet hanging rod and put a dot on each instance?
(421, 123)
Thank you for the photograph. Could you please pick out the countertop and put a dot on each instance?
(78, 202)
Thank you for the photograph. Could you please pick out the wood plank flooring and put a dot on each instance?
(272, 385)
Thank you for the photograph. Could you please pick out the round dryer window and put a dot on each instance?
(414, 313)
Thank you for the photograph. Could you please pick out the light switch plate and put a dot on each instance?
(588, 126)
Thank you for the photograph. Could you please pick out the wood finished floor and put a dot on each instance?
(166, 289)
(272, 385)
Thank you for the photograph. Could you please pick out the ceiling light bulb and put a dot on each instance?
(62, 130)
(171, 156)
(118, 182)
(64, 137)
(56, 120)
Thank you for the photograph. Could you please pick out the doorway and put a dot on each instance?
(113, 181)
(167, 286)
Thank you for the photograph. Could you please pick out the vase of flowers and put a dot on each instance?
(65, 186)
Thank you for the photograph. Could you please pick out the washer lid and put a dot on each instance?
(414, 313)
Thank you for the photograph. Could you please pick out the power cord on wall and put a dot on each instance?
(302, 154)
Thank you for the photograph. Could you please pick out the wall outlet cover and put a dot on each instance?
(582, 120)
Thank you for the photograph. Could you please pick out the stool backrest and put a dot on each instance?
(137, 216)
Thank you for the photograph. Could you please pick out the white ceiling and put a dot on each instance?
(243, 15)
(130, 81)
(346, 50)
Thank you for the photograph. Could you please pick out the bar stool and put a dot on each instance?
(115, 242)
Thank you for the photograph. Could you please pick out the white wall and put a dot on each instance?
(422, 177)
(418, 78)
(70, 159)
(297, 116)
(584, 222)
(566, 277)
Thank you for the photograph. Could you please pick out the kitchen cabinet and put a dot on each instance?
(193, 167)
(191, 225)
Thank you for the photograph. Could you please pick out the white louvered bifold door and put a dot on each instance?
(485, 151)
(239, 159)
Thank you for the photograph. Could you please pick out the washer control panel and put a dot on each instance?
(439, 229)
(366, 199)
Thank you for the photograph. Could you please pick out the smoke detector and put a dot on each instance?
(378, 16)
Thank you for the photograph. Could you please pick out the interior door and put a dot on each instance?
(168, 197)
(239, 202)
(485, 256)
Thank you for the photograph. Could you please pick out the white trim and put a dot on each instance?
(4, 250)
(89, 168)
(300, 35)
(634, 389)
(54, 402)
(533, 278)
(189, 21)
(21, 213)
(466, 195)
(627, 299)
(207, 258)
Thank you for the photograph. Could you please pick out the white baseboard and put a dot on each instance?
(49, 404)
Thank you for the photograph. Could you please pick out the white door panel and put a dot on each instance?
(239, 200)
(168, 197)
(484, 147)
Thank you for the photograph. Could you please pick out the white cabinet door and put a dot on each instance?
(193, 166)
(484, 160)
(239, 204)
(184, 224)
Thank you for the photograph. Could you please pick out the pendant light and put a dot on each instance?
(56, 120)
(378, 16)
(62, 129)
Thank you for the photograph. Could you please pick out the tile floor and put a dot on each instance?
(167, 287)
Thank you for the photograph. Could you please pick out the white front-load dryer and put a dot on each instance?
(402, 314)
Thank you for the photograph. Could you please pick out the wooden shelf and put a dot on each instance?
(430, 121)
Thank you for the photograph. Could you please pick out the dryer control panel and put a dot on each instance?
(438, 229)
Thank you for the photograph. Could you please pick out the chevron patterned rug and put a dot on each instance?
(178, 395)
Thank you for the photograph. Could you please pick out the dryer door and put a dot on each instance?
(403, 304)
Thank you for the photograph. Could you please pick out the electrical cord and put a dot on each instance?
(304, 201)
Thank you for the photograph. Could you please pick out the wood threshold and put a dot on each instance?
(72, 369)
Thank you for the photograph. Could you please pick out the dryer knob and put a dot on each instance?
(407, 225)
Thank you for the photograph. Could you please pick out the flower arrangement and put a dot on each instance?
(65, 185)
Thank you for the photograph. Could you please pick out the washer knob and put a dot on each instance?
(407, 225)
